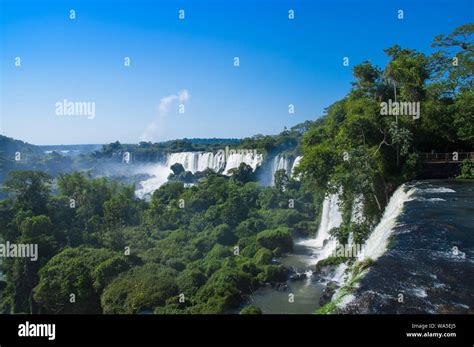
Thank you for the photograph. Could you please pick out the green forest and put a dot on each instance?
(205, 248)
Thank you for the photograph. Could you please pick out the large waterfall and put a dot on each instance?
(331, 217)
(280, 162)
(197, 161)
(235, 159)
(194, 162)
(283, 162)
(377, 242)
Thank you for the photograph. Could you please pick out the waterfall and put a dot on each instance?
(377, 242)
(350, 238)
(159, 175)
(280, 162)
(197, 161)
(194, 162)
(295, 164)
(235, 159)
(331, 217)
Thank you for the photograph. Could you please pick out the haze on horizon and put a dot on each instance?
(190, 62)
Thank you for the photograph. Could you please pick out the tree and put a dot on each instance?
(71, 272)
(22, 273)
(281, 179)
(30, 188)
(273, 238)
(139, 289)
(242, 174)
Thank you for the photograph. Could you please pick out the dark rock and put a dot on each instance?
(328, 293)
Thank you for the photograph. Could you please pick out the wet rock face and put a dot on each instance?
(298, 277)
(328, 293)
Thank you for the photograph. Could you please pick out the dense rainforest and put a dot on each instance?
(203, 248)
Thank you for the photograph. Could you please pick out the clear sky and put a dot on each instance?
(191, 61)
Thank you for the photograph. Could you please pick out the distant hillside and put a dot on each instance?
(9, 147)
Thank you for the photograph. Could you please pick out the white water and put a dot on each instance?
(331, 217)
(193, 162)
(340, 274)
(295, 164)
(437, 190)
(160, 175)
(280, 162)
(235, 159)
(350, 239)
(197, 161)
(376, 244)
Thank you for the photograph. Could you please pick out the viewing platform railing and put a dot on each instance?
(452, 157)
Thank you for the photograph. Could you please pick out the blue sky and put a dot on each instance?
(282, 62)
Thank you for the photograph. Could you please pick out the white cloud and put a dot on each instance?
(157, 125)
(183, 96)
(165, 103)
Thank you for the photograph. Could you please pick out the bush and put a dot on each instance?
(263, 257)
(279, 237)
(141, 288)
(273, 273)
(189, 281)
(252, 309)
(72, 272)
(467, 170)
(225, 288)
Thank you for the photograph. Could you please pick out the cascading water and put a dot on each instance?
(280, 162)
(235, 159)
(425, 219)
(377, 242)
(324, 244)
(295, 164)
(197, 161)
(194, 162)
(159, 175)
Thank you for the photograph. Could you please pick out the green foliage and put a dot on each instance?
(224, 288)
(467, 170)
(30, 190)
(276, 238)
(243, 174)
(356, 149)
(330, 261)
(281, 180)
(273, 273)
(184, 240)
(251, 309)
(190, 280)
(139, 289)
(263, 256)
(73, 271)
